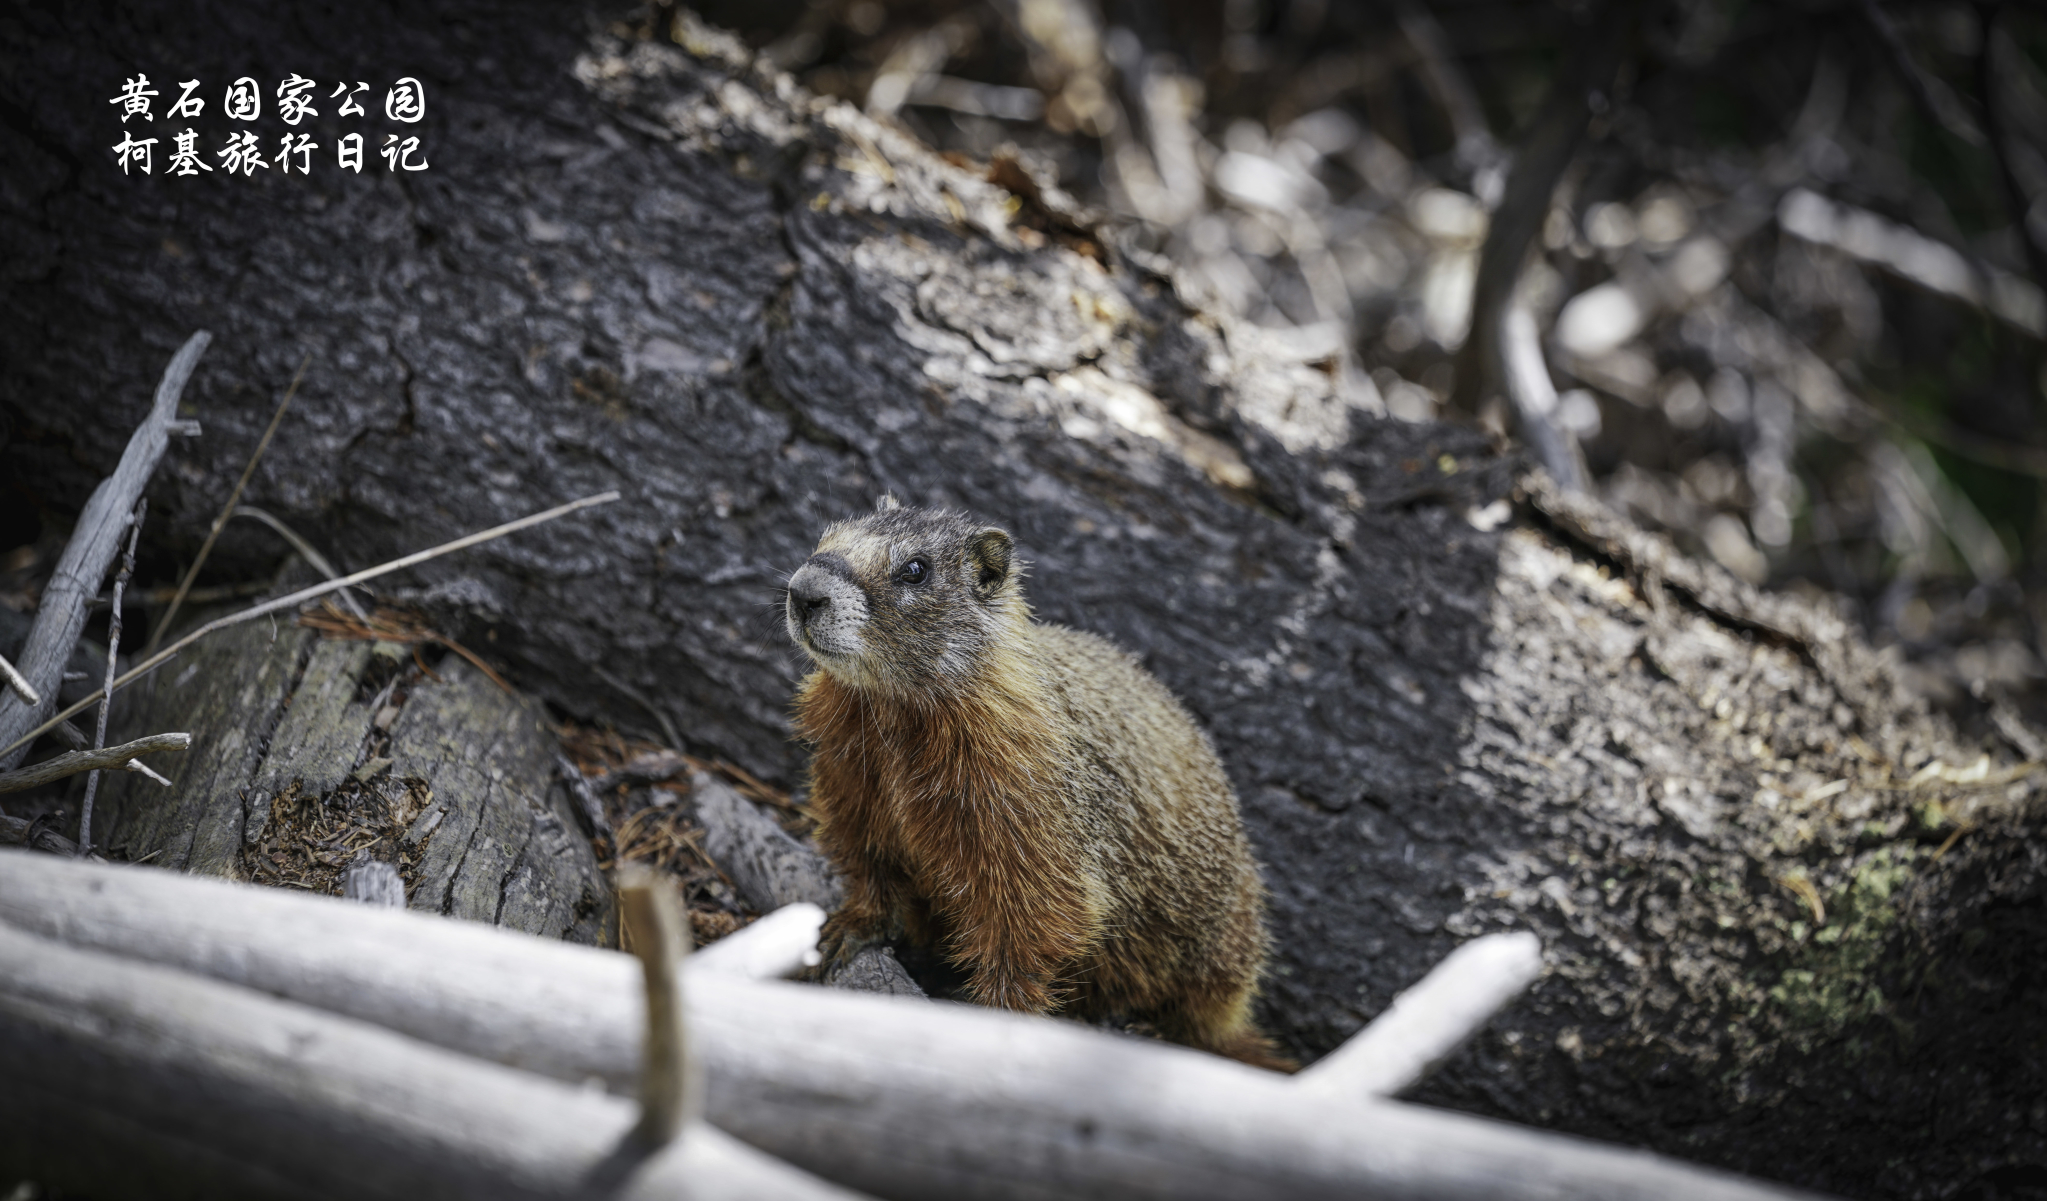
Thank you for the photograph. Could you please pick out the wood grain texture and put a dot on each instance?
(285, 718)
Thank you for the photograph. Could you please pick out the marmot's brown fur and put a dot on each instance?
(1024, 798)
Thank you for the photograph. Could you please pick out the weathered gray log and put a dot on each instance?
(769, 867)
(752, 312)
(903, 1099)
(124, 1078)
(61, 610)
(307, 749)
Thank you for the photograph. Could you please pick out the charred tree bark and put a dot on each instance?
(1789, 931)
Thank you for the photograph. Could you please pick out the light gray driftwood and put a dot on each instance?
(60, 614)
(768, 866)
(1426, 1024)
(902, 1100)
(124, 1078)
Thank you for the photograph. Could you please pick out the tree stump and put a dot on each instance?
(310, 752)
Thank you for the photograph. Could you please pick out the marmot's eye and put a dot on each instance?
(912, 572)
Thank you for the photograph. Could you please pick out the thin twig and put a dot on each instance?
(1475, 144)
(668, 729)
(99, 736)
(220, 522)
(2015, 198)
(20, 686)
(1933, 96)
(318, 590)
(70, 763)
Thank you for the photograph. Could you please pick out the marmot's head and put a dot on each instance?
(906, 600)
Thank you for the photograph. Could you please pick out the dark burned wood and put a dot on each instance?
(292, 777)
(640, 265)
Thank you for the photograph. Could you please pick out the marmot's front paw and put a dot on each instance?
(840, 939)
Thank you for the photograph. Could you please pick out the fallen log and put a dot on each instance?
(899, 1098)
(124, 1078)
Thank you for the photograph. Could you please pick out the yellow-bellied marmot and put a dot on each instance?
(1022, 797)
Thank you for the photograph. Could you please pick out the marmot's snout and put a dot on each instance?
(826, 609)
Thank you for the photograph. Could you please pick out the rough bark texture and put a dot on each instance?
(637, 266)
(309, 752)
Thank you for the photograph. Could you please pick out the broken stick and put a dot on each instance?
(70, 763)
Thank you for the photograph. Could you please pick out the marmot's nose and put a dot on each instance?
(807, 596)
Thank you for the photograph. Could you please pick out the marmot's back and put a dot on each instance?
(1023, 796)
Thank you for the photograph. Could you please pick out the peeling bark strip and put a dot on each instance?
(310, 751)
(652, 267)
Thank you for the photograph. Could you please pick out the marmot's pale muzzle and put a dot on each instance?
(826, 610)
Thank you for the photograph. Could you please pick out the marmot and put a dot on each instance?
(1023, 798)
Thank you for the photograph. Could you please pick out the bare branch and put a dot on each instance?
(1475, 145)
(2015, 198)
(776, 945)
(163, 623)
(70, 763)
(318, 590)
(99, 736)
(37, 835)
(91, 549)
(1428, 1022)
(1934, 97)
(21, 686)
(1912, 256)
(657, 932)
(1482, 364)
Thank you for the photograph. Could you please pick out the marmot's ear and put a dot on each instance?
(888, 503)
(991, 555)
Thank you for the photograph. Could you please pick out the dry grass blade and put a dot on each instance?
(226, 510)
(314, 593)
